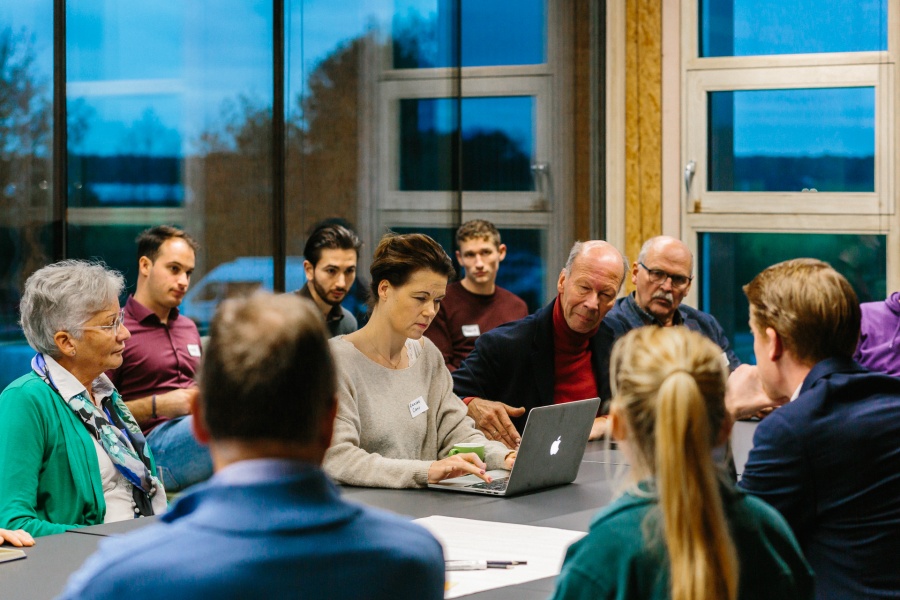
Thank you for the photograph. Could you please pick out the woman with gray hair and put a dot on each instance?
(71, 454)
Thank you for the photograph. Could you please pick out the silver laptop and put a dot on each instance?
(553, 444)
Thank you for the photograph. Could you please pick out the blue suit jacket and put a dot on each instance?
(288, 538)
(830, 463)
(627, 315)
(514, 364)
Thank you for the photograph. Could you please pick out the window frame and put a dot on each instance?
(780, 212)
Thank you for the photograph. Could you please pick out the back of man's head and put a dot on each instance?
(812, 307)
(151, 240)
(330, 236)
(268, 373)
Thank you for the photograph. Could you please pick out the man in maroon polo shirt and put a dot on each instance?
(156, 378)
(475, 304)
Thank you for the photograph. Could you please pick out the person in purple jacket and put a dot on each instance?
(879, 336)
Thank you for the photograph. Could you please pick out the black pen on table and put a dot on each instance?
(479, 565)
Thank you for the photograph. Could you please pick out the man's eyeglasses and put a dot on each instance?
(120, 318)
(659, 276)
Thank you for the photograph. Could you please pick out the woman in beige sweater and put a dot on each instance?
(398, 417)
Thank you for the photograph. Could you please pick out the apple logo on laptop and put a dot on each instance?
(554, 447)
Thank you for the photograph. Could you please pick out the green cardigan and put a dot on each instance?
(615, 560)
(49, 473)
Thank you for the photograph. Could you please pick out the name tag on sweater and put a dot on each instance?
(417, 407)
(193, 349)
(471, 330)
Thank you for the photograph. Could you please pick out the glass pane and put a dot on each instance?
(500, 32)
(497, 143)
(427, 130)
(332, 50)
(26, 185)
(170, 105)
(522, 272)
(728, 261)
(792, 140)
(759, 27)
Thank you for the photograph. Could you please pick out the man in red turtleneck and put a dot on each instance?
(558, 354)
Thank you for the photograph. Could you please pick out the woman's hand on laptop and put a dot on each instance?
(456, 466)
(492, 418)
(510, 460)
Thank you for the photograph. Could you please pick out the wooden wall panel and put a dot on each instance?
(643, 123)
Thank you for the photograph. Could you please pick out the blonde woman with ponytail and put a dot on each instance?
(679, 531)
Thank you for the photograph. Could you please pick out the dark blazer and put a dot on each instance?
(627, 315)
(291, 537)
(514, 364)
(830, 463)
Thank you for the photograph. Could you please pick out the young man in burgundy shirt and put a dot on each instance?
(475, 304)
(160, 360)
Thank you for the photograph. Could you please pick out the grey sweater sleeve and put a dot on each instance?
(348, 463)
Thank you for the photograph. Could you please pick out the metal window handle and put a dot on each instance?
(689, 170)
(541, 173)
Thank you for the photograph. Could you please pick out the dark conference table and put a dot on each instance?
(50, 562)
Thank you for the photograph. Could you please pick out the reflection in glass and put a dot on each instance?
(523, 270)
(170, 106)
(113, 244)
(497, 143)
(334, 51)
(495, 33)
(26, 183)
(762, 27)
(788, 140)
(728, 261)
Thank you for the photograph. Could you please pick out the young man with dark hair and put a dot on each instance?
(160, 361)
(269, 524)
(475, 304)
(828, 459)
(330, 258)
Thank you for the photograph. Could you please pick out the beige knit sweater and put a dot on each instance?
(377, 441)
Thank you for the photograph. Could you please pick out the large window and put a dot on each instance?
(470, 128)
(789, 144)
(27, 239)
(730, 260)
(406, 115)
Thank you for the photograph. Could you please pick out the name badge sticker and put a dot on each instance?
(417, 407)
(471, 330)
(193, 349)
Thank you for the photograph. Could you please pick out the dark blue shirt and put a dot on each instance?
(627, 315)
(830, 463)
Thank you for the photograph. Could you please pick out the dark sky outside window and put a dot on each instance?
(764, 27)
(788, 140)
(728, 261)
(497, 137)
(496, 32)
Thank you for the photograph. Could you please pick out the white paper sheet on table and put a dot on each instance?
(466, 539)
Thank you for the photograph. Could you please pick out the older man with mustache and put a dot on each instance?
(662, 276)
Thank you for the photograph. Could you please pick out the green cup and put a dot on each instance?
(465, 447)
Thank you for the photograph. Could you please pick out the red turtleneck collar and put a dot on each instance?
(575, 379)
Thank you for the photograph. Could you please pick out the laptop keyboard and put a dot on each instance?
(496, 485)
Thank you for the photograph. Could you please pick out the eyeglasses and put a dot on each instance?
(120, 318)
(659, 276)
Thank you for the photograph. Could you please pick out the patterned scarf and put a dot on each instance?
(118, 434)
